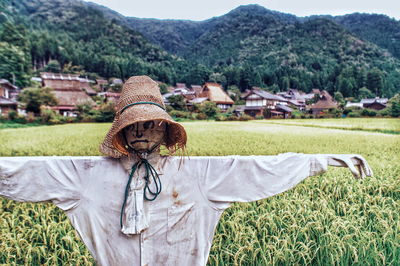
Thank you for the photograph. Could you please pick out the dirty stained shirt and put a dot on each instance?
(183, 218)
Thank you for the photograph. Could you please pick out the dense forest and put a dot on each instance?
(356, 54)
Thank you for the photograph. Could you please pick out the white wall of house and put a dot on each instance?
(255, 100)
(224, 106)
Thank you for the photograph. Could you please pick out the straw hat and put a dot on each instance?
(141, 101)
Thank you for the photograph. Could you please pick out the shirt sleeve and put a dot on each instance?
(249, 178)
(37, 179)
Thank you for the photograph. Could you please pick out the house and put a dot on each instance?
(354, 105)
(181, 86)
(68, 89)
(297, 104)
(215, 93)
(258, 100)
(376, 103)
(8, 97)
(197, 89)
(283, 111)
(101, 84)
(110, 96)
(325, 103)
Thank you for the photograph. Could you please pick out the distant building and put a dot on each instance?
(354, 105)
(375, 104)
(110, 96)
(181, 86)
(69, 90)
(325, 103)
(197, 89)
(8, 97)
(258, 100)
(214, 93)
(101, 85)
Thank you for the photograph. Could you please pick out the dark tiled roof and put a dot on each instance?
(265, 95)
(283, 108)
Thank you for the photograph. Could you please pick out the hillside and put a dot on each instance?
(253, 46)
(378, 29)
(76, 33)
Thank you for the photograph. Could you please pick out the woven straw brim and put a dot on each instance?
(114, 144)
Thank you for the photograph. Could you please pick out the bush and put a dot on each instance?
(201, 116)
(232, 118)
(220, 118)
(30, 117)
(12, 115)
(368, 112)
(210, 109)
(48, 116)
(348, 110)
(259, 117)
(245, 117)
(334, 112)
(354, 114)
(106, 113)
(180, 114)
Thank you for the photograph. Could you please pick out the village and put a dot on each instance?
(70, 91)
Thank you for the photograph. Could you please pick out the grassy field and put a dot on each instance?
(330, 219)
(382, 125)
(9, 124)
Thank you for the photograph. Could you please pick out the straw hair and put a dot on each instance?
(150, 106)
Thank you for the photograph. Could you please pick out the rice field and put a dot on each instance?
(331, 219)
(383, 125)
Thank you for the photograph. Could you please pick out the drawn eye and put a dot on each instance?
(148, 125)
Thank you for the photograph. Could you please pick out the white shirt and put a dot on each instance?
(180, 222)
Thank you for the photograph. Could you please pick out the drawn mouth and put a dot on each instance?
(141, 140)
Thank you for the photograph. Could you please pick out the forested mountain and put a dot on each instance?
(75, 33)
(249, 46)
(253, 46)
(378, 29)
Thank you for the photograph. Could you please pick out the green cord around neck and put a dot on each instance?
(148, 194)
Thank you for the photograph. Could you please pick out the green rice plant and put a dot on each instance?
(331, 219)
(382, 125)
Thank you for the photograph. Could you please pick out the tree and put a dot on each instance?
(375, 81)
(210, 109)
(394, 106)
(364, 93)
(34, 98)
(13, 64)
(177, 102)
(163, 88)
(197, 75)
(53, 66)
(83, 109)
(338, 96)
(218, 78)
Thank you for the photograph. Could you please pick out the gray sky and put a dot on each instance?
(204, 9)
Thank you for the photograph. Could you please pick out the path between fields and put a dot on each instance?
(374, 130)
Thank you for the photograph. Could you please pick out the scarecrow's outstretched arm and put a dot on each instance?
(36, 179)
(249, 178)
(351, 161)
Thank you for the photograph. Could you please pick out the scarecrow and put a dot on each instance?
(136, 207)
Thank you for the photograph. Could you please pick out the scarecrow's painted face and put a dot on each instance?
(143, 136)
